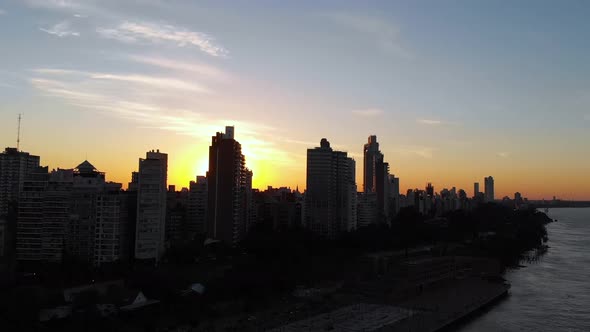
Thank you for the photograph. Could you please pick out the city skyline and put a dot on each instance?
(430, 185)
(107, 81)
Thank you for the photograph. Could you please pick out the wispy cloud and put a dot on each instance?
(420, 151)
(368, 112)
(154, 81)
(193, 67)
(151, 103)
(62, 29)
(306, 143)
(384, 33)
(58, 71)
(54, 4)
(433, 122)
(160, 82)
(429, 122)
(163, 33)
(503, 154)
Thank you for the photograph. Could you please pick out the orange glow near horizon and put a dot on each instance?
(283, 164)
(185, 165)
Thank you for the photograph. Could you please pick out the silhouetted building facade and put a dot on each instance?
(518, 200)
(330, 198)
(371, 155)
(176, 215)
(429, 190)
(197, 207)
(367, 211)
(71, 214)
(111, 225)
(229, 190)
(151, 206)
(475, 189)
(382, 188)
(394, 195)
(376, 177)
(277, 208)
(14, 167)
(44, 215)
(489, 189)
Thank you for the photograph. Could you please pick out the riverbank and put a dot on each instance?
(448, 305)
(551, 293)
(435, 310)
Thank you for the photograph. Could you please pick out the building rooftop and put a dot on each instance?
(86, 167)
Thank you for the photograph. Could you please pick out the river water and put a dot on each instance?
(552, 294)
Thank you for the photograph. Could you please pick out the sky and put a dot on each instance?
(454, 90)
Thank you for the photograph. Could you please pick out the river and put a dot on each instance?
(552, 294)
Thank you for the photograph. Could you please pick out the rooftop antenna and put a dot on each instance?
(18, 133)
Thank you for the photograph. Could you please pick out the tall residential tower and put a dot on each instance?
(15, 165)
(489, 189)
(229, 185)
(330, 198)
(151, 206)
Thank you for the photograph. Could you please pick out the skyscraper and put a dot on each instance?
(71, 211)
(44, 215)
(176, 215)
(88, 184)
(475, 189)
(376, 177)
(111, 225)
(430, 190)
(98, 217)
(394, 195)
(197, 207)
(489, 189)
(229, 187)
(14, 167)
(382, 189)
(330, 198)
(151, 206)
(371, 156)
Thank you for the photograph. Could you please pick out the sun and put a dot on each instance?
(201, 166)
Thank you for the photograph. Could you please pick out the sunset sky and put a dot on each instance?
(454, 90)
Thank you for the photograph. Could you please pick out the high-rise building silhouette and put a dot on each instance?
(376, 177)
(111, 225)
(367, 209)
(489, 189)
(73, 212)
(197, 207)
(98, 218)
(382, 187)
(429, 190)
(394, 195)
(151, 206)
(518, 200)
(30, 216)
(14, 167)
(176, 215)
(229, 187)
(371, 155)
(476, 189)
(277, 208)
(330, 198)
(44, 215)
